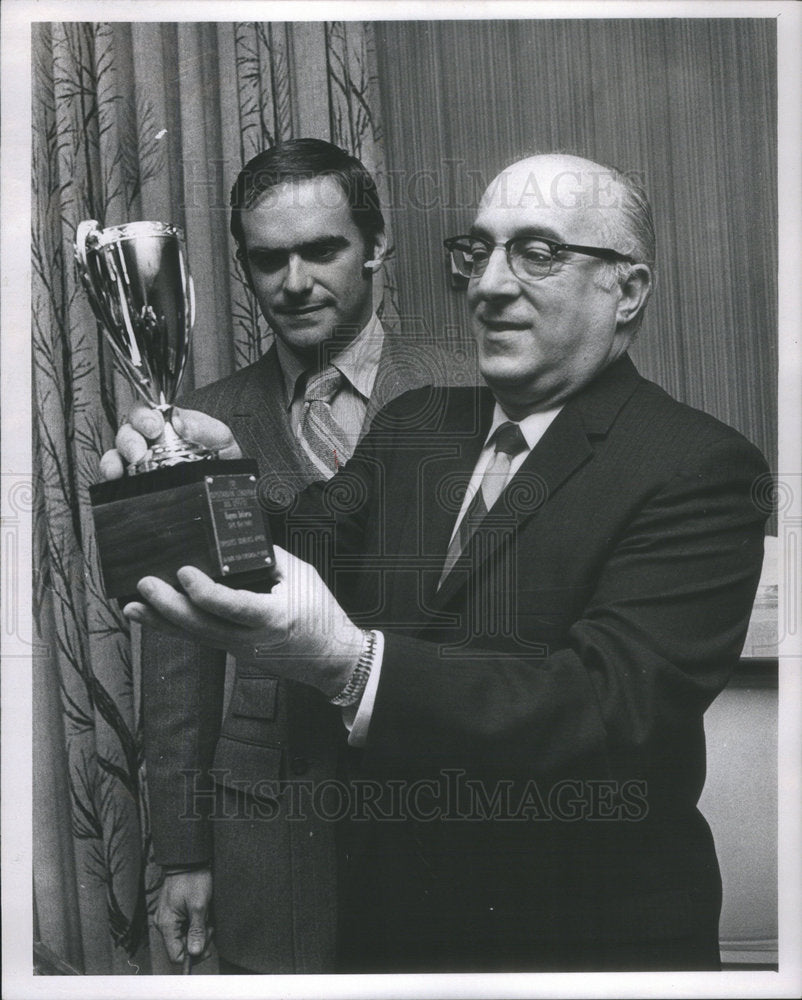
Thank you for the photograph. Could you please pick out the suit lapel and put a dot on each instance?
(453, 471)
(564, 447)
(399, 371)
(260, 420)
(257, 413)
(444, 478)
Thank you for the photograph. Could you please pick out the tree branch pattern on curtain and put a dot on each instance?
(153, 121)
(138, 121)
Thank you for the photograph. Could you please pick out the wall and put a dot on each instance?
(740, 804)
(688, 104)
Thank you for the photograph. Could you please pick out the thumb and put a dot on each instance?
(200, 428)
(196, 933)
(145, 420)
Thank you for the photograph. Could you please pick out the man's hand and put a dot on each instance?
(145, 424)
(299, 628)
(182, 915)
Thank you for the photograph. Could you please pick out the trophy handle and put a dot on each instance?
(82, 234)
(190, 302)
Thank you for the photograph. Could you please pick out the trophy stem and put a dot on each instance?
(170, 449)
(169, 437)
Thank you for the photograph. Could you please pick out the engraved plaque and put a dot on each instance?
(239, 530)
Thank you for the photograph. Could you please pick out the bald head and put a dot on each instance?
(591, 198)
(550, 308)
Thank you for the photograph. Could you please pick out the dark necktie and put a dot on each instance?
(508, 442)
(322, 438)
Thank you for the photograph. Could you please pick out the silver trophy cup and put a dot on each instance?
(140, 290)
(172, 509)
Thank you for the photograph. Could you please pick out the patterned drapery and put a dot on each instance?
(138, 121)
(153, 121)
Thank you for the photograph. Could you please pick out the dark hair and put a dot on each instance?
(305, 159)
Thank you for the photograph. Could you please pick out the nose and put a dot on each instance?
(497, 279)
(297, 279)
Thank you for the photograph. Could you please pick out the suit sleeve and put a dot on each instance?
(624, 695)
(182, 690)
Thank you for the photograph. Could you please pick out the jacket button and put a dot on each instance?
(299, 765)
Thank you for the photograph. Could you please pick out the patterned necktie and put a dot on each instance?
(508, 441)
(322, 438)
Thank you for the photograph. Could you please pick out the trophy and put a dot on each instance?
(182, 505)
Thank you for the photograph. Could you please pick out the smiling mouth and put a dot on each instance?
(299, 310)
(502, 325)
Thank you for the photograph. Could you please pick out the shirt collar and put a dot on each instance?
(532, 427)
(358, 361)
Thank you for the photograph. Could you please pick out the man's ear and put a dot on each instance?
(635, 290)
(379, 253)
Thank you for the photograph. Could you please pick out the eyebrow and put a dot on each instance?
(335, 241)
(549, 234)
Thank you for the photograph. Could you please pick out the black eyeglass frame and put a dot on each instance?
(605, 253)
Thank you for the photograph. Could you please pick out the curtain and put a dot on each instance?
(138, 121)
(153, 121)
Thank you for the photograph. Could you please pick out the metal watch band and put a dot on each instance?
(355, 685)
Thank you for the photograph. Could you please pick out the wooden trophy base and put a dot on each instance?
(204, 514)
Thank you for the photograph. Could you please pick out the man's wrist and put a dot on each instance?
(351, 693)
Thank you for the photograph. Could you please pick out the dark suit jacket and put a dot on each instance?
(563, 670)
(213, 791)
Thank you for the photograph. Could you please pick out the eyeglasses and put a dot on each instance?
(529, 257)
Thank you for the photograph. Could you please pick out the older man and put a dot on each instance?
(309, 231)
(540, 587)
